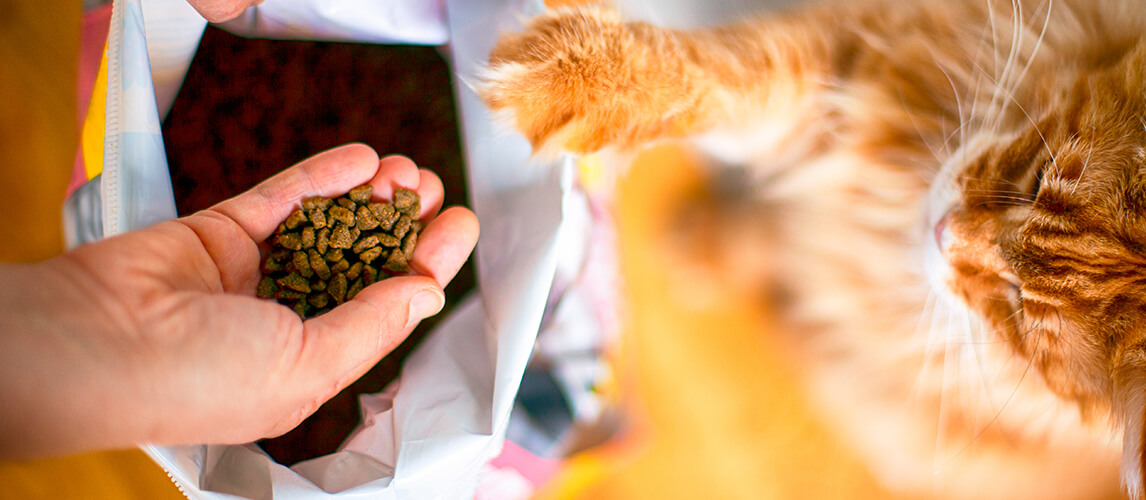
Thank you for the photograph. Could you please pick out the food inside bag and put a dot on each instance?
(446, 408)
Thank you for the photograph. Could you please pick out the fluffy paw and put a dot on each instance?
(580, 80)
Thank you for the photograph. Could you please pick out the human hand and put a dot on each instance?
(156, 336)
(218, 11)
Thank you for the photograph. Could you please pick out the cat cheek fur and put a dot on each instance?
(1130, 400)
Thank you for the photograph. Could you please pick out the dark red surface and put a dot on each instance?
(249, 108)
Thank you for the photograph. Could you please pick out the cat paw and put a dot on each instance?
(575, 80)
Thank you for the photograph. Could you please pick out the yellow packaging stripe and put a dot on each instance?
(92, 136)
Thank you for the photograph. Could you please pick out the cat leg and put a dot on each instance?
(583, 79)
(1129, 376)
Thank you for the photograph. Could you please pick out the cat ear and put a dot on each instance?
(1130, 409)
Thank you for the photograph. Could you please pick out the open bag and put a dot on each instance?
(433, 431)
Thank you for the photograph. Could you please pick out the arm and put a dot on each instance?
(156, 336)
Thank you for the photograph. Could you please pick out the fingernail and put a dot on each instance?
(425, 303)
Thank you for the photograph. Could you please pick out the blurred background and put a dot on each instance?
(710, 404)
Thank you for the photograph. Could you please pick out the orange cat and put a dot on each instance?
(953, 192)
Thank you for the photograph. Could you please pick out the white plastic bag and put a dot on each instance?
(429, 434)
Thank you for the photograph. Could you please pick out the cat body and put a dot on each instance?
(951, 197)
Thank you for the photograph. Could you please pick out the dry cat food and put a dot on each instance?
(328, 250)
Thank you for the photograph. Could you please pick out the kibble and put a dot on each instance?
(328, 250)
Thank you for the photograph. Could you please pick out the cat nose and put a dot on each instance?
(941, 233)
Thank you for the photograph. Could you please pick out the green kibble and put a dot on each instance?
(369, 274)
(302, 264)
(388, 241)
(346, 203)
(317, 285)
(340, 266)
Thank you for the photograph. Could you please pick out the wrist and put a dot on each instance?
(58, 394)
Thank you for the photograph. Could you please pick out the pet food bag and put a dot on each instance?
(434, 430)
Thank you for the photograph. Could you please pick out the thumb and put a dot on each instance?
(341, 345)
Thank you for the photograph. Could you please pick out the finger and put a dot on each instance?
(444, 244)
(218, 11)
(395, 171)
(344, 343)
(400, 172)
(432, 193)
(331, 173)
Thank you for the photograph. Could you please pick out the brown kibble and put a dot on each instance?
(355, 287)
(403, 226)
(361, 194)
(295, 219)
(289, 240)
(337, 288)
(318, 264)
(318, 218)
(407, 202)
(271, 265)
(322, 241)
(366, 219)
(302, 264)
(342, 215)
(308, 267)
(386, 214)
(300, 308)
(288, 294)
(354, 271)
(266, 288)
(294, 281)
(397, 262)
(371, 254)
(316, 203)
(409, 243)
(319, 300)
(368, 242)
(388, 241)
(307, 237)
(340, 237)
